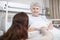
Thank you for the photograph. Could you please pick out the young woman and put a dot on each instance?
(19, 27)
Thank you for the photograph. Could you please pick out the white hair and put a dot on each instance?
(35, 4)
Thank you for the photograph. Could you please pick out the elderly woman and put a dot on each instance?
(37, 21)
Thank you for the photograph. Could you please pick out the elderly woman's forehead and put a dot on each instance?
(35, 4)
(35, 7)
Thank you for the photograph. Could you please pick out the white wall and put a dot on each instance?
(24, 1)
(42, 2)
(27, 1)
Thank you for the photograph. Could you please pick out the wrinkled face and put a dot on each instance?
(35, 10)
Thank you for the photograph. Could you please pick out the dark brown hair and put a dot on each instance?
(18, 28)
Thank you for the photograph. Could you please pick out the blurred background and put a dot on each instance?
(8, 8)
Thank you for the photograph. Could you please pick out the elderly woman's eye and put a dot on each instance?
(33, 8)
(37, 8)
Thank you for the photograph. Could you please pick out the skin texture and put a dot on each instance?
(35, 10)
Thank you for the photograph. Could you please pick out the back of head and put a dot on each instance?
(20, 20)
(18, 28)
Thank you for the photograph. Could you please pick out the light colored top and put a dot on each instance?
(38, 22)
(41, 21)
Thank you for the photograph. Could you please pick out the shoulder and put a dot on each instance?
(43, 18)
